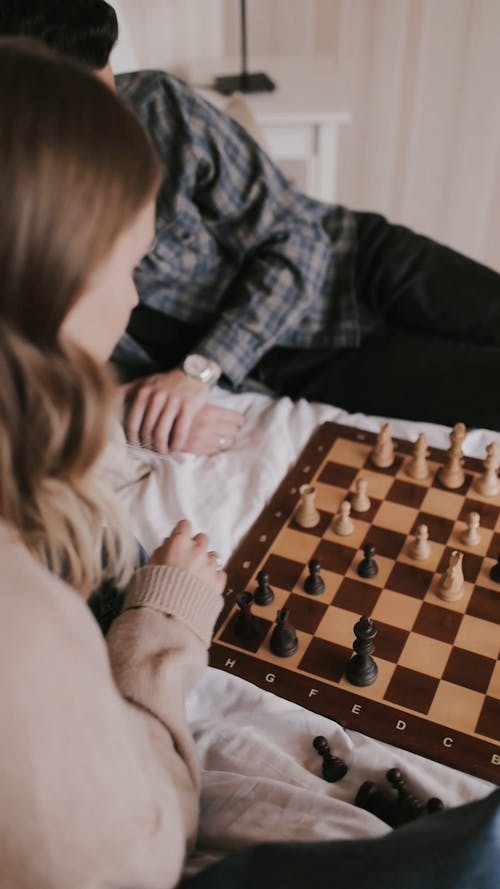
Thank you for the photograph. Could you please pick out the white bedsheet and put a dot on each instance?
(260, 773)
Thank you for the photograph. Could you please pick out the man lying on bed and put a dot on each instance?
(251, 280)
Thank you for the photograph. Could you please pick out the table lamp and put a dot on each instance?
(244, 82)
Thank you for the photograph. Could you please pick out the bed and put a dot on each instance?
(261, 777)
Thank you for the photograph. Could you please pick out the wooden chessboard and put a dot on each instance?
(438, 686)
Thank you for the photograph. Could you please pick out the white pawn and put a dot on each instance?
(383, 452)
(342, 522)
(451, 584)
(417, 467)
(307, 516)
(419, 547)
(487, 484)
(360, 501)
(471, 535)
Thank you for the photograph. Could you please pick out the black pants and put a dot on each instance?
(457, 849)
(430, 350)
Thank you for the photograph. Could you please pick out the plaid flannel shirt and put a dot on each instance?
(239, 253)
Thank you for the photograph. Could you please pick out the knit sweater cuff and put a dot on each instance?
(176, 594)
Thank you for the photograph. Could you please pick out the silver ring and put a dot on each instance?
(222, 442)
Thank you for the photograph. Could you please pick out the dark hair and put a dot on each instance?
(85, 30)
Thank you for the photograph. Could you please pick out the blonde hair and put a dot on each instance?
(75, 169)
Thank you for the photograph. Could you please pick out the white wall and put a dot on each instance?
(421, 77)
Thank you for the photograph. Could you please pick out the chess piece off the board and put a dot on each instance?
(382, 455)
(362, 670)
(471, 535)
(451, 584)
(395, 809)
(451, 475)
(342, 522)
(368, 567)
(307, 516)
(333, 768)
(419, 547)
(487, 483)
(283, 641)
(417, 467)
(360, 501)
(314, 584)
(263, 595)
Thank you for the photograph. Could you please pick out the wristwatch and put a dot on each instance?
(200, 368)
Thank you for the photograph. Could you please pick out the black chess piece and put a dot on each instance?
(314, 583)
(263, 595)
(495, 570)
(283, 641)
(397, 808)
(372, 799)
(333, 768)
(246, 624)
(410, 807)
(362, 669)
(368, 567)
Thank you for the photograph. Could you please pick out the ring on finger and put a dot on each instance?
(222, 442)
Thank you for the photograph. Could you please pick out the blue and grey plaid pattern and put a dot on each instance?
(239, 252)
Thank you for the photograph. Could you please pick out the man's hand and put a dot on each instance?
(162, 408)
(188, 553)
(168, 412)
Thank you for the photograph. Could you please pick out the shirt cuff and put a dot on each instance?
(176, 594)
(236, 349)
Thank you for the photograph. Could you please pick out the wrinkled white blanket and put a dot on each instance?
(260, 773)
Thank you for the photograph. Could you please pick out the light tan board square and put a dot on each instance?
(456, 707)
(420, 650)
(349, 453)
(479, 636)
(396, 609)
(396, 517)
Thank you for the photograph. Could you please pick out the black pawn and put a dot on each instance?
(409, 807)
(368, 567)
(495, 571)
(283, 641)
(334, 768)
(263, 594)
(362, 669)
(246, 624)
(314, 583)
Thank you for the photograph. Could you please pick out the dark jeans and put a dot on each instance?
(430, 350)
(457, 849)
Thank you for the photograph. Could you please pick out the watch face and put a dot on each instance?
(196, 365)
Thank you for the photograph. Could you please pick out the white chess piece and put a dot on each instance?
(417, 467)
(419, 547)
(383, 452)
(471, 535)
(451, 584)
(342, 522)
(360, 501)
(307, 516)
(451, 475)
(487, 484)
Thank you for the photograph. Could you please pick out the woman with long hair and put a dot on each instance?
(98, 778)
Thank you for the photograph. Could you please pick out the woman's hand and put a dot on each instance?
(190, 554)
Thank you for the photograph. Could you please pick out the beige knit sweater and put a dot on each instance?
(98, 777)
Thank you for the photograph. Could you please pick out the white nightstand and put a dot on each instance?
(300, 120)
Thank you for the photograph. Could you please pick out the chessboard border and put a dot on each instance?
(420, 736)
